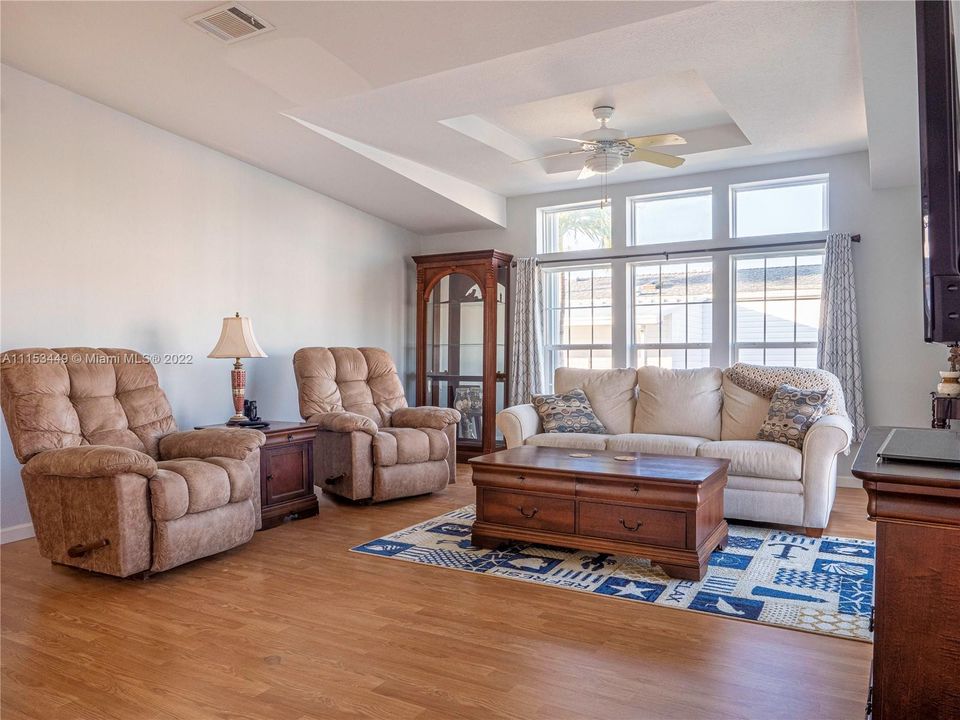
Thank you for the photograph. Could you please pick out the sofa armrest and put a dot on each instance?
(829, 436)
(344, 422)
(517, 423)
(235, 443)
(88, 461)
(424, 417)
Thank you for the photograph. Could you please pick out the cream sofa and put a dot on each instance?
(704, 413)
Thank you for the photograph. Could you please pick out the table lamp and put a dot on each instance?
(237, 341)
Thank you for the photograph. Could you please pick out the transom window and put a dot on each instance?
(672, 313)
(780, 207)
(777, 308)
(567, 228)
(579, 322)
(671, 217)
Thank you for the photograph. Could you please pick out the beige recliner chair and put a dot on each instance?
(370, 445)
(111, 485)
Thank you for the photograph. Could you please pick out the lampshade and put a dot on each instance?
(237, 340)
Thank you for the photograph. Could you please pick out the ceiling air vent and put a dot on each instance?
(230, 23)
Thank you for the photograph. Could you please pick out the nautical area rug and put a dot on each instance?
(820, 585)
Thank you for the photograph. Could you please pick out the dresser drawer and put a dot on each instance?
(524, 481)
(539, 512)
(628, 522)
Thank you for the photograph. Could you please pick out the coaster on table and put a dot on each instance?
(581, 455)
(625, 458)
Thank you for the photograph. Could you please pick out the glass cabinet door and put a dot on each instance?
(454, 352)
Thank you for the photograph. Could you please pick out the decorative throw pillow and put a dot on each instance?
(568, 412)
(792, 413)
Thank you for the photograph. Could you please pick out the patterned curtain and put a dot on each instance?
(526, 347)
(838, 349)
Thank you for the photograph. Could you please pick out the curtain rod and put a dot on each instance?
(666, 255)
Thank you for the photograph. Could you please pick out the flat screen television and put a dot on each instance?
(939, 180)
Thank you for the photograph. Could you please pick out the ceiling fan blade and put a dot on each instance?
(642, 155)
(643, 141)
(576, 140)
(585, 173)
(544, 157)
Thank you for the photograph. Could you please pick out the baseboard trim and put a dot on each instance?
(16, 532)
(848, 481)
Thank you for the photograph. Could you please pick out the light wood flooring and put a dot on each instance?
(293, 625)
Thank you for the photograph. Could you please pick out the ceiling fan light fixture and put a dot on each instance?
(602, 163)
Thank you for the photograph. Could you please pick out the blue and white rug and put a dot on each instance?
(821, 585)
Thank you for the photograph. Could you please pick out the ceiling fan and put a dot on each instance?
(608, 148)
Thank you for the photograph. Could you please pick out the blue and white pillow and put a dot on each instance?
(568, 412)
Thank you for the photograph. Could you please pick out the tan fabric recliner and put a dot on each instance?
(370, 445)
(111, 485)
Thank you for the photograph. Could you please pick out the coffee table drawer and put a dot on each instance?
(627, 522)
(530, 511)
(525, 481)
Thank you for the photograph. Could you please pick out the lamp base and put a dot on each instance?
(234, 420)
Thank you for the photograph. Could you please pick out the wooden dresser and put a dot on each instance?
(916, 651)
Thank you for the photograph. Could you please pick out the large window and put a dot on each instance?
(579, 323)
(671, 217)
(777, 308)
(672, 313)
(566, 228)
(779, 207)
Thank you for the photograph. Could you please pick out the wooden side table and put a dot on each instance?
(286, 472)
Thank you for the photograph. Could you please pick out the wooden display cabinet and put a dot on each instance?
(463, 336)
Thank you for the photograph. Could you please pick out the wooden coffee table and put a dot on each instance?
(665, 508)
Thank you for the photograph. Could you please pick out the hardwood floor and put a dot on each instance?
(293, 625)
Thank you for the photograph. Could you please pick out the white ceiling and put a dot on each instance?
(416, 111)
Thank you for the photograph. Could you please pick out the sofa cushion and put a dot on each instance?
(743, 412)
(756, 458)
(792, 413)
(407, 446)
(612, 393)
(208, 485)
(574, 441)
(678, 402)
(759, 484)
(568, 412)
(659, 444)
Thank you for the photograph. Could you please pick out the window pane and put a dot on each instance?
(647, 356)
(647, 325)
(750, 274)
(673, 323)
(673, 359)
(753, 356)
(779, 356)
(808, 320)
(700, 323)
(807, 357)
(779, 207)
(700, 282)
(698, 357)
(781, 277)
(574, 228)
(780, 325)
(750, 322)
(677, 217)
(601, 359)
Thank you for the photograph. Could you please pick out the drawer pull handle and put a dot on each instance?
(270, 477)
(524, 512)
(289, 437)
(631, 529)
(521, 478)
(636, 488)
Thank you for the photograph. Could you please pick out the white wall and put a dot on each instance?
(116, 233)
(899, 368)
